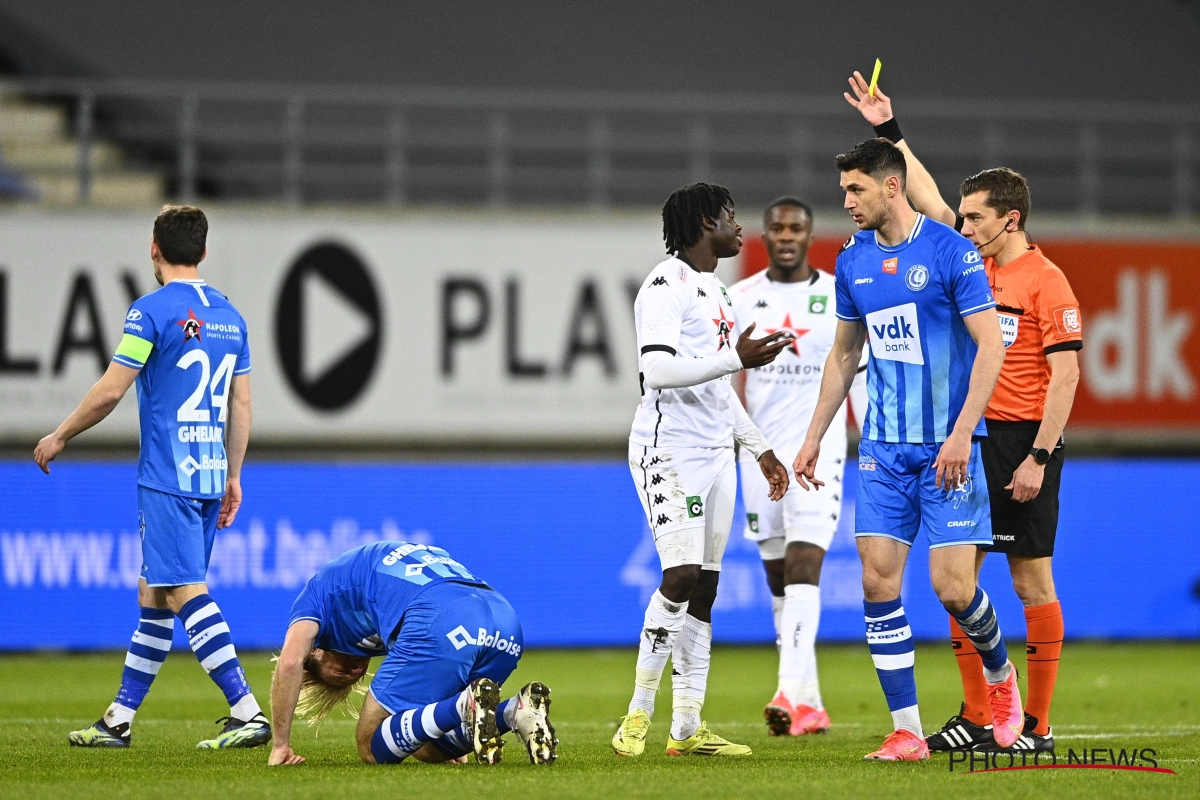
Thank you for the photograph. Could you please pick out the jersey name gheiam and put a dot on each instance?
(912, 299)
(359, 598)
(687, 314)
(189, 342)
(782, 396)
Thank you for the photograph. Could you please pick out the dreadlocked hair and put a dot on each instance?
(686, 210)
(318, 700)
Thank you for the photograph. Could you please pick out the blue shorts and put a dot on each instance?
(451, 634)
(897, 496)
(177, 536)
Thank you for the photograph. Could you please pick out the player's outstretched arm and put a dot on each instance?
(285, 690)
(920, 187)
(952, 460)
(840, 369)
(747, 434)
(237, 438)
(662, 370)
(97, 404)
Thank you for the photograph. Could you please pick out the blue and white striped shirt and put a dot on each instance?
(912, 298)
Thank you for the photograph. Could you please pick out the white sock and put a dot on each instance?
(909, 720)
(994, 676)
(245, 709)
(118, 714)
(776, 613)
(663, 621)
(798, 638)
(691, 658)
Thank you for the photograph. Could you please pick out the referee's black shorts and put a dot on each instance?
(1021, 529)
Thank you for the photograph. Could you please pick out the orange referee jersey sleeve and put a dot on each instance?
(1038, 315)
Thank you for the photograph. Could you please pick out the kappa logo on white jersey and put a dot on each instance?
(460, 638)
(895, 334)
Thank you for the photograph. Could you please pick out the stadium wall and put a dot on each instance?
(503, 330)
(566, 543)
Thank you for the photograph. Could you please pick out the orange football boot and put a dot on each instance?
(900, 745)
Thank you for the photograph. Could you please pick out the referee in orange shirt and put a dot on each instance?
(1023, 451)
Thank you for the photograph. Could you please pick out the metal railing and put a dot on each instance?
(394, 146)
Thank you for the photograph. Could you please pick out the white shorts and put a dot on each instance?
(688, 495)
(800, 516)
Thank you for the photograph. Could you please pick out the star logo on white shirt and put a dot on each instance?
(724, 328)
(796, 333)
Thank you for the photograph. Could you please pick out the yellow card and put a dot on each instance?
(875, 77)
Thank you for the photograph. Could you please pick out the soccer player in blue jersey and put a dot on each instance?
(915, 289)
(187, 348)
(448, 641)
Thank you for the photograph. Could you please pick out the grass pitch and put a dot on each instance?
(1109, 695)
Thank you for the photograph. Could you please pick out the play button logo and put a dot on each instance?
(328, 326)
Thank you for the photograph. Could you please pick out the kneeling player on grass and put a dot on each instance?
(448, 640)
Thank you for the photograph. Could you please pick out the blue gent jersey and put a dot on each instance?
(188, 341)
(360, 597)
(912, 299)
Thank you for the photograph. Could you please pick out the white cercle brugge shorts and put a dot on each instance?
(799, 516)
(688, 495)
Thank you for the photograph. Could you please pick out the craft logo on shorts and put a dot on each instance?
(1066, 319)
(917, 277)
(695, 507)
(891, 265)
(752, 522)
(818, 305)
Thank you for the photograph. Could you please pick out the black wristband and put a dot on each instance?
(889, 130)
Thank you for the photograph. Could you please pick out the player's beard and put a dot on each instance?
(158, 275)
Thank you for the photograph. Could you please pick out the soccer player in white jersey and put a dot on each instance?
(794, 533)
(681, 456)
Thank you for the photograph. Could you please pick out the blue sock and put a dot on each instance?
(213, 646)
(147, 652)
(501, 723)
(892, 650)
(402, 734)
(979, 623)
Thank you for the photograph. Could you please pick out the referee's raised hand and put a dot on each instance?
(757, 352)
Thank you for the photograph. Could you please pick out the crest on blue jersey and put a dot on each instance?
(917, 277)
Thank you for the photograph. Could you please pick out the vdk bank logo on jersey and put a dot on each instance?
(895, 334)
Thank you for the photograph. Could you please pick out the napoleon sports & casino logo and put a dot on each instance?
(1137, 759)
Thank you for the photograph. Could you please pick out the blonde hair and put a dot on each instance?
(318, 700)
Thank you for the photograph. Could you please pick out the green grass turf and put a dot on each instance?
(1109, 695)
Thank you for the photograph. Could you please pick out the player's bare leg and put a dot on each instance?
(952, 572)
(892, 649)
